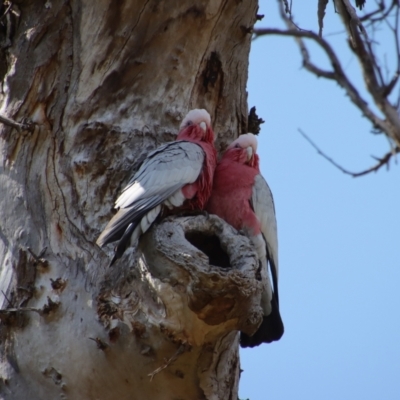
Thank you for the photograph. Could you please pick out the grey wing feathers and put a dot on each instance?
(164, 171)
(120, 221)
(264, 208)
(175, 163)
(271, 328)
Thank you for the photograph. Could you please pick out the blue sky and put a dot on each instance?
(339, 236)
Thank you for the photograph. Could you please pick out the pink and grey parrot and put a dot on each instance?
(175, 176)
(242, 197)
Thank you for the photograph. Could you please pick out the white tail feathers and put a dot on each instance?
(149, 218)
(176, 200)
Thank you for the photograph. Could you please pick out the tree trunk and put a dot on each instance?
(97, 85)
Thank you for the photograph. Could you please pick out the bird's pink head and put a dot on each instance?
(243, 150)
(197, 126)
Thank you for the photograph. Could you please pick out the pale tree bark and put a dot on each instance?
(93, 86)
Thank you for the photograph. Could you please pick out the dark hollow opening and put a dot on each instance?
(210, 246)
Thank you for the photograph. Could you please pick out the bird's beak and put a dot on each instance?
(203, 126)
(249, 151)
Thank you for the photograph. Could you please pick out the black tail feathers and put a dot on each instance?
(123, 243)
(270, 330)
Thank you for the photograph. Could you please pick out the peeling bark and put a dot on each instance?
(102, 84)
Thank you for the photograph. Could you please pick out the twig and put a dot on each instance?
(42, 252)
(100, 344)
(33, 254)
(9, 301)
(39, 257)
(19, 127)
(14, 310)
(6, 12)
(167, 362)
(49, 307)
(288, 9)
(389, 87)
(381, 161)
(368, 18)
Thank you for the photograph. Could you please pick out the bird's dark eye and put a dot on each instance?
(237, 145)
(189, 123)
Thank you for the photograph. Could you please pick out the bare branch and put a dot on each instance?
(390, 86)
(337, 74)
(381, 161)
(361, 45)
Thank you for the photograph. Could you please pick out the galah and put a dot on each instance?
(176, 176)
(242, 197)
